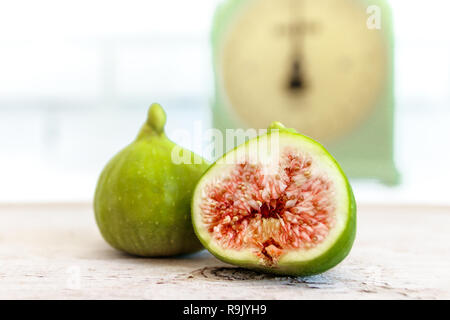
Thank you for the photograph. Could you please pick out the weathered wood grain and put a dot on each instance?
(56, 251)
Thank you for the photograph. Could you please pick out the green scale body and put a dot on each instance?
(323, 67)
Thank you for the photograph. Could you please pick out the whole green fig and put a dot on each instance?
(142, 200)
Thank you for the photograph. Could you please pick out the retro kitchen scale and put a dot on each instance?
(323, 67)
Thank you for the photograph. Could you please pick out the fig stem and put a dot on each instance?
(156, 121)
(276, 125)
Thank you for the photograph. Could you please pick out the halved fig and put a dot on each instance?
(279, 203)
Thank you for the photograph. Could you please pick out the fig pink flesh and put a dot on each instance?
(270, 213)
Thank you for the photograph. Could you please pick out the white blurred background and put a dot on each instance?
(77, 77)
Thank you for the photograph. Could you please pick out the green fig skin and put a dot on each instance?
(142, 199)
(326, 260)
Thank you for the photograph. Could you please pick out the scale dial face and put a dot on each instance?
(312, 64)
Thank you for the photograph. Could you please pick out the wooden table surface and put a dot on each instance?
(56, 251)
